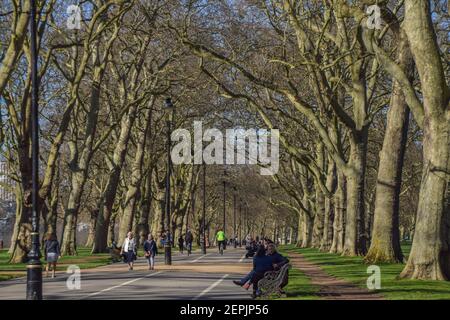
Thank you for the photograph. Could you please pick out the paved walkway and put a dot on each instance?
(195, 277)
(330, 288)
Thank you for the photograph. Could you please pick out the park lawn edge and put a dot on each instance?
(84, 260)
(354, 270)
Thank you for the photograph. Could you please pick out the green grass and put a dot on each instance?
(84, 260)
(354, 270)
(299, 287)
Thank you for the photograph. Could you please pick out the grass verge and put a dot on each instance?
(84, 260)
(354, 270)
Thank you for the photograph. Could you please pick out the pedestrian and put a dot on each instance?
(248, 239)
(129, 250)
(189, 238)
(52, 253)
(162, 239)
(181, 243)
(151, 251)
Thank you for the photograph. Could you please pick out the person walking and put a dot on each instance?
(52, 253)
(181, 244)
(151, 250)
(129, 250)
(189, 238)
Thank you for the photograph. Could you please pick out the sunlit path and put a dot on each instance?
(196, 276)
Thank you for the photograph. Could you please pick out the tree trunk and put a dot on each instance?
(100, 235)
(92, 222)
(80, 160)
(157, 223)
(143, 228)
(430, 251)
(337, 246)
(318, 219)
(111, 237)
(101, 241)
(19, 208)
(385, 244)
(51, 219)
(73, 204)
(307, 231)
(327, 237)
(320, 202)
(300, 224)
(133, 194)
(355, 237)
(20, 244)
(291, 235)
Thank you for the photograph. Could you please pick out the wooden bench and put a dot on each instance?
(272, 281)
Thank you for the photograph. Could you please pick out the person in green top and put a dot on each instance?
(220, 237)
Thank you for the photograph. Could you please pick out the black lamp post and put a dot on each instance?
(167, 245)
(34, 266)
(234, 218)
(224, 199)
(240, 222)
(204, 210)
(246, 229)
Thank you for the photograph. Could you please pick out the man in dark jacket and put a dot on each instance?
(189, 239)
(150, 250)
(261, 264)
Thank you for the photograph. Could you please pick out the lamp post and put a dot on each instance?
(246, 229)
(167, 245)
(234, 218)
(34, 266)
(204, 210)
(240, 223)
(224, 198)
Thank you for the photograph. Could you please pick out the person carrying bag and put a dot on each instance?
(129, 250)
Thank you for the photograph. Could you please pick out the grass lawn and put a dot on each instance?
(84, 260)
(299, 287)
(353, 269)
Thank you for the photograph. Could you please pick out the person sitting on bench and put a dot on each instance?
(261, 264)
(278, 261)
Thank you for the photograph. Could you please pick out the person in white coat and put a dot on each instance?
(129, 250)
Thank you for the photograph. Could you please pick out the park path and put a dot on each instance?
(194, 277)
(330, 288)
